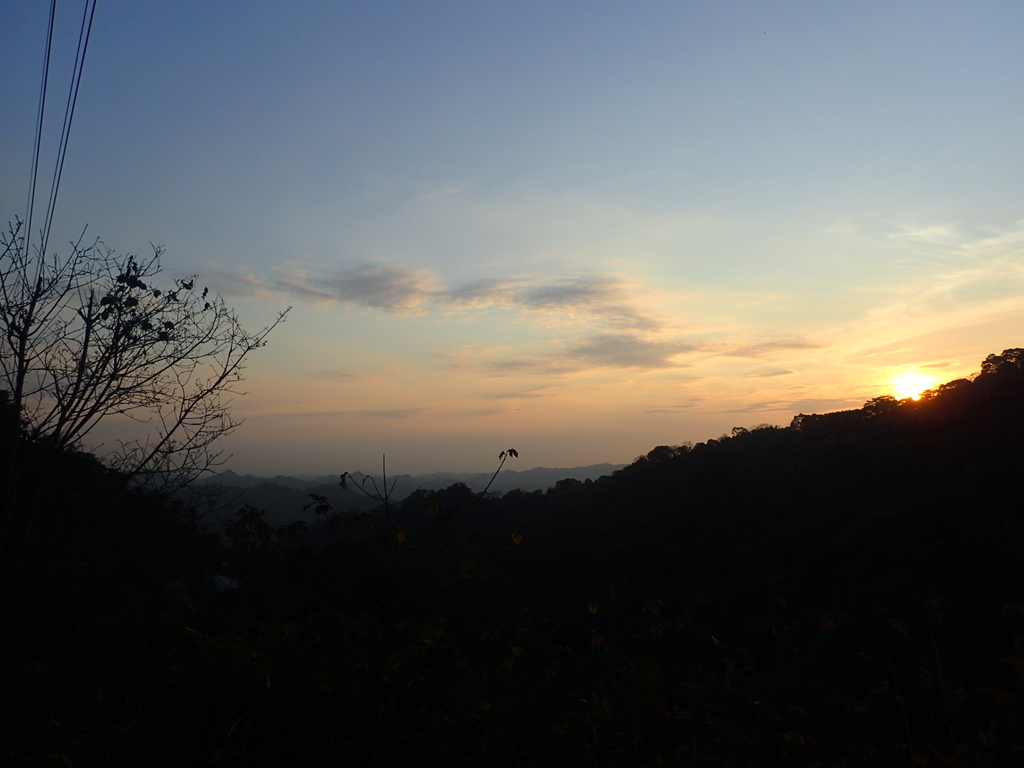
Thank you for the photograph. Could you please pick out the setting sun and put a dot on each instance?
(912, 385)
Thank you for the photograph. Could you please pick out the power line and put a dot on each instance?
(84, 33)
(39, 129)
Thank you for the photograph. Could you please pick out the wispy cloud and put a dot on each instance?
(239, 285)
(604, 298)
(600, 297)
(627, 351)
(523, 395)
(938, 234)
(390, 413)
(766, 348)
(983, 283)
(769, 374)
(391, 289)
(681, 406)
(388, 288)
(809, 405)
(612, 350)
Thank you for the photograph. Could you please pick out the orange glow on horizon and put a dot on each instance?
(912, 384)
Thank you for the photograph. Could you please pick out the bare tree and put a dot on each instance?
(89, 336)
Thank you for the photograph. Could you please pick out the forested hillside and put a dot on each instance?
(844, 591)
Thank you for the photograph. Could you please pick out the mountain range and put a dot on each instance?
(283, 497)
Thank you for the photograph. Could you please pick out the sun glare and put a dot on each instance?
(912, 385)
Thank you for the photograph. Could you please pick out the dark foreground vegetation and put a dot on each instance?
(845, 591)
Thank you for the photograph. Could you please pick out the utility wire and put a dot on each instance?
(39, 129)
(84, 33)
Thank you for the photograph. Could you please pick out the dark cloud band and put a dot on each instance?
(604, 298)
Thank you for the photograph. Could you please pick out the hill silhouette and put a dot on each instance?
(843, 591)
(282, 497)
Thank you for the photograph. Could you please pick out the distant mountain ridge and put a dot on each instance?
(284, 497)
(536, 479)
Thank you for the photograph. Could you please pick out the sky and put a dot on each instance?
(577, 229)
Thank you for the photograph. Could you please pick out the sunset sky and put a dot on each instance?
(579, 229)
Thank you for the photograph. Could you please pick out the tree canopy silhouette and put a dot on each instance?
(90, 335)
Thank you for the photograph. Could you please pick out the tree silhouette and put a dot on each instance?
(89, 336)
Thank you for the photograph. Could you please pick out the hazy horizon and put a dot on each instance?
(577, 230)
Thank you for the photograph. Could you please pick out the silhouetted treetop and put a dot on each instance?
(1009, 363)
